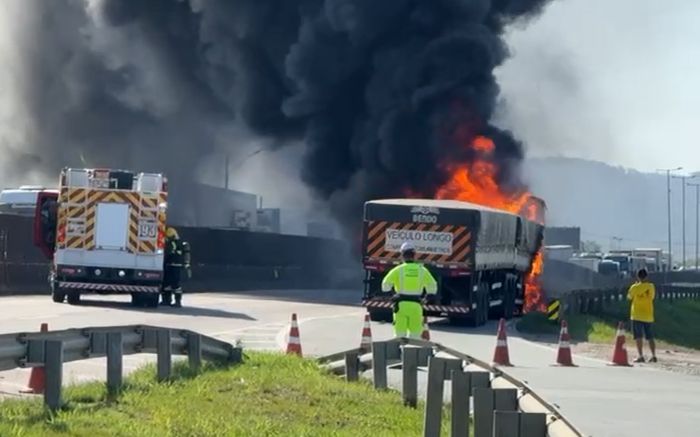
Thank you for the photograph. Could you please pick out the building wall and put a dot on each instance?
(203, 205)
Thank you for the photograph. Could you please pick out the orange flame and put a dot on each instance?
(476, 182)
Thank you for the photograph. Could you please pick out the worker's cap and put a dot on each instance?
(407, 247)
(170, 232)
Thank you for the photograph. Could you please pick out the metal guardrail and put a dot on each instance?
(503, 405)
(595, 301)
(51, 349)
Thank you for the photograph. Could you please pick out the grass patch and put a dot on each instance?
(676, 323)
(268, 395)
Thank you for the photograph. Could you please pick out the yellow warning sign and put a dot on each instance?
(553, 310)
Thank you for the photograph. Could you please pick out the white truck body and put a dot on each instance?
(559, 252)
(589, 263)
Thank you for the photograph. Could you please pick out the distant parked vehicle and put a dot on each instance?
(559, 252)
(588, 263)
(609, 268)
(20, 201)
(655, 258)
(624, 260)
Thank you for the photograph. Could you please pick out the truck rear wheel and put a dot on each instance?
(480, 314)
(136, 299)
(150, 300)
(58, 296)
(460, 320)
(509, 298)
(381, 316)
(73, 298)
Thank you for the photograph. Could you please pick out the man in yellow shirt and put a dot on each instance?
(642, 294)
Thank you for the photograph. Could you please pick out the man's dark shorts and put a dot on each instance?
(642, 330)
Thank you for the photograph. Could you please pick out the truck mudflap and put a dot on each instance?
(443, 309)
(119, 288)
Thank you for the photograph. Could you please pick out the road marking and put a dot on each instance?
(274, 327)
(14, 385)
(37, 317)
(280, 339)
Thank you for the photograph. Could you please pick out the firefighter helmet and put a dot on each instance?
(170, 232)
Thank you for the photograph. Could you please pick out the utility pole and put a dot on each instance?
(697, 224)
(668, 187)
(683, 184)
(683, 181)
(226, 170)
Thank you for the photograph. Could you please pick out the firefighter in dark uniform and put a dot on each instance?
(176, 258)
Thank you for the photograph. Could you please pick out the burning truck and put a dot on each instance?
(484, 259)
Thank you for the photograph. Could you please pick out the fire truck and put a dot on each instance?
(104, 232)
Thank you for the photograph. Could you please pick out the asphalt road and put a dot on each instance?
(600, 399)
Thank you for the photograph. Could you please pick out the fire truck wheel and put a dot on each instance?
(73, 298)
(58, 296)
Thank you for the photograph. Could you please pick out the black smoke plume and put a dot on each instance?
(374, 88)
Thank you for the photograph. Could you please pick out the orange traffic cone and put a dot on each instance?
(620, 352)
(37, 378)
(294, 343)
(500, 355)
(366, 342)
(564, 353)
(425, 335)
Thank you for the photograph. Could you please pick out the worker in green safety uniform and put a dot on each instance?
(409, 280)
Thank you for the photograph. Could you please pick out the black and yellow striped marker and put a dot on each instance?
(553, 310)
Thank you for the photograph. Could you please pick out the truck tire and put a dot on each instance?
(496, 312)
(460, 320)
(151, 300)
(509, 299)
(481, 312)
(58, 296)
(73, 297)
(381, 316)
(485, 304)
(136, 299)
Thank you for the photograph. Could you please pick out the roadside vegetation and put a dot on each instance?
(268, 395)
(677, 323)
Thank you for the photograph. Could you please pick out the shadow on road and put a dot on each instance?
(183, 311)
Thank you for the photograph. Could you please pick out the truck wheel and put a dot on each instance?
(495, 312)
(481, 312)
(136, 299)
(485, 305)
(73, 298)
(509, 299)
(151, 300)
(460, 320)
(58, 296)
(381, 316)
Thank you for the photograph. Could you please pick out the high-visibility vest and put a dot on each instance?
(410, 279)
